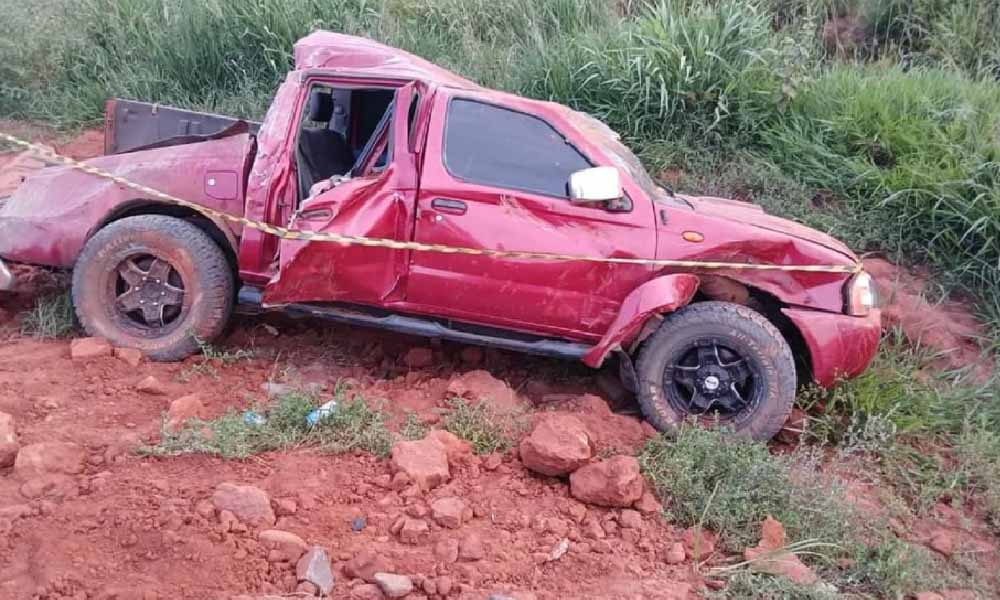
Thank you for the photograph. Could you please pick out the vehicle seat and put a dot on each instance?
(324, 152)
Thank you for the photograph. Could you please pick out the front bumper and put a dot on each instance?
(6, 278)
(840, 346)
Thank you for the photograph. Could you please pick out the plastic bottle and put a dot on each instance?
(321, 413)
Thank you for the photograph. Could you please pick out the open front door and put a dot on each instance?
(378, 200)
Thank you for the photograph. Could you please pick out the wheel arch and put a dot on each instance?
(214, 228)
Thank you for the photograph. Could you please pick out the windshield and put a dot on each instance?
(610, 142)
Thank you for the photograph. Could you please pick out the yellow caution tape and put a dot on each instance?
(295, 234)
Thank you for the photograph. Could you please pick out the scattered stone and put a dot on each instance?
(481, 386)
(446, 550)
(425, 462)
(8, 440)
(493, 461)
(648, 504)
(87, 348)
(698, 543)
(50, 486)
(471, 548)
(365, 564)
(444, 585)
(367, 591)
(249, 504)
(770, 556)
(457, 449)
(675, 554)
(50, 457)
(314, 567)
(152, 386)
(615, 482)
(450, 512)
(184, 409)
(285, 507)
(307, 588)
(558, 445)
(392, 585)
(284, 545)
(630, 519)
(419, 358)
(413, 530)
(130, 356)
(559, 551)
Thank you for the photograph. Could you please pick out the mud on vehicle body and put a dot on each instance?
(366, 140)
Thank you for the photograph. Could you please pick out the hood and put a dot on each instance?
(753, 215)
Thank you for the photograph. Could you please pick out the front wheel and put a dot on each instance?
(717, 363)
(155, 283)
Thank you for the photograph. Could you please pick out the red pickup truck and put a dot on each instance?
(367, 140)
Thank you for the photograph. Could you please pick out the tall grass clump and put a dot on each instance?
(915, 154)
(682, 70)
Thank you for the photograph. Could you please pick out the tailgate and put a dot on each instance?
(131, 125)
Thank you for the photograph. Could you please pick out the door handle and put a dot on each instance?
(451, 207)
(316, 214)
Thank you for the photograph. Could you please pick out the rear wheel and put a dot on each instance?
(155, 283)
(717, 363)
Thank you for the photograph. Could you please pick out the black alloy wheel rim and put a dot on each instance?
(148, 292)
(709, 378)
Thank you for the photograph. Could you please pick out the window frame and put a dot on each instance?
(453, 175)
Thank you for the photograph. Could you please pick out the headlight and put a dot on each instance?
(861, 295)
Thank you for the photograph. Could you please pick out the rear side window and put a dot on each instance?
(489, 145)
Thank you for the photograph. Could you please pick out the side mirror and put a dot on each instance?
(599, 184)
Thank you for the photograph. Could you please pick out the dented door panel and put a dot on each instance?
(573, 298)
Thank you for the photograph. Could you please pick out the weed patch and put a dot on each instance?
(483, 426)
(353, 426)
(51, 317)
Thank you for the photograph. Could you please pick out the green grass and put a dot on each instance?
(482, 425)
(730, 485)
(353, 426)
(51, 316)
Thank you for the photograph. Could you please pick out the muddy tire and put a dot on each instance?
(717, 363)
(155, 283)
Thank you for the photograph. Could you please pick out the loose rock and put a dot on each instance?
(87, 348)
(284, 545)
(446, 550)
(615, 482)
(769, 556)
(152, 386)
(675, 554)
(630, 519)
(8, 440)
(184, 409)
(314, 567)
(365, 564)
(392, 585)
(558, 445)
(481, 386)
(471, 548)
(367, 591)
(249, 504)
(413, 530)
(50, 457)
(450, 512)
(425, 462)
(648, 504)
(130, 356)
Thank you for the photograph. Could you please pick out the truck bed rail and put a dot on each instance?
(130, 125)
